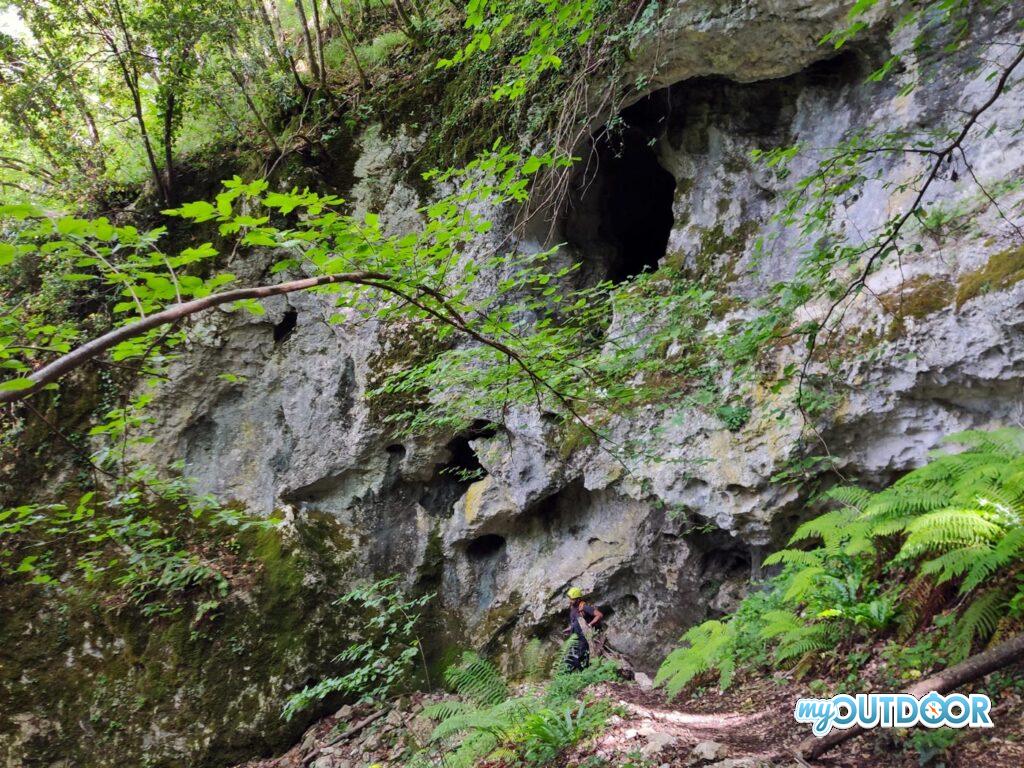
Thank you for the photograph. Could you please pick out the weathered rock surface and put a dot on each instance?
(668, 540)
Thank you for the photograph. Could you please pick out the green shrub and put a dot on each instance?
(735, 417)
(377, 52)
(385, 660)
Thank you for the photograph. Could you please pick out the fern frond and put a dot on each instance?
(536, 662)
(796, 557)
(802, 583)
(849, 496)
(946, 529)
(447, 709)
(477, 679)
(806, 639)
(954, 563)
(488, 719)
(1009, 550)
(902, 503)
(777, 623)
(914, 601)
(832, 528)
(977, 622)
(709, 646)
(1008, 441)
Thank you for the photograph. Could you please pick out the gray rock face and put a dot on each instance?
(668, 541)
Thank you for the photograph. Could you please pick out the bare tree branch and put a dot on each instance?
(76, 357)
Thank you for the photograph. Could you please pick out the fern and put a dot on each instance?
(797, 557)
(946, 529)
(447, 709)
(488, 719)
(958, 520)
(849, 496)
(710, 646)
(916, 600)
(978, 622)
(777, 623)
(488, 726)
(802, 582)
(536, 662)
(809, 638)
(566, 686)
(983, 566)
(891, 511)
(1007, 441)
(477, 679)
(953, 564)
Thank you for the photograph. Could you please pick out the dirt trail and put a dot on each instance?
(649, 726)
(753, 727)
(750, 726)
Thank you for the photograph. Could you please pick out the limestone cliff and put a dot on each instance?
(662, 545)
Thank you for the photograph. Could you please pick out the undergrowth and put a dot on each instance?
(489, 722)
(939, 554)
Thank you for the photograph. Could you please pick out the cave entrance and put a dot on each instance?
(620, 214)
(462, 469)
(484, 547)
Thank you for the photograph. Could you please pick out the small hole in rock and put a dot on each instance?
(482, 547)
(462, 469)
(287, 324)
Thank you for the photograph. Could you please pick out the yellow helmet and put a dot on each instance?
(575, 593)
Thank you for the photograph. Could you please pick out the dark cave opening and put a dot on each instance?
(621, 211)
(486, 546)
(462, 469)
(284, 328)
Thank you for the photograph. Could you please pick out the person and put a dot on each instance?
(582, 617)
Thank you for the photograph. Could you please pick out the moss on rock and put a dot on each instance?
(86, 684)
(916, 298)
(1002, 270)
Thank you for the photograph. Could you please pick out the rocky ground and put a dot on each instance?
(751, 726)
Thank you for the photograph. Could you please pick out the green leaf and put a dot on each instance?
(198, 211)
(532, 165)
(7, 253)
(250, 305)
(16, 385)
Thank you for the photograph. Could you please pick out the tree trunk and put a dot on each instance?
(273, 28)
(974, 668)
(313, 67)
(130, 73)
(255, 112)
(408, 25)
(363, 79)
(318, 29)
(169, 146)
(68, 81)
